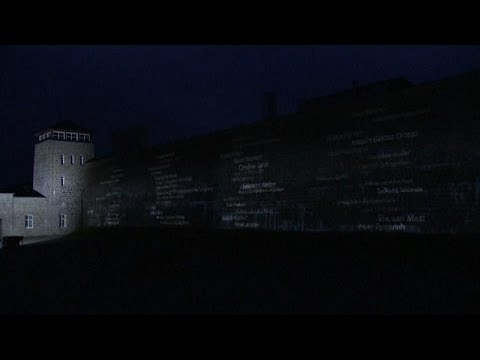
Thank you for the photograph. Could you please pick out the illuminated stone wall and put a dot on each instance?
(13, 211)
(47, 174)
(37, 207)
(6, 213)
(404, 162)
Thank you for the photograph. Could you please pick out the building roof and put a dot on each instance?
(65, 126)
(22, 190)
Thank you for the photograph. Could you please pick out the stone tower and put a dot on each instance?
(58, 173)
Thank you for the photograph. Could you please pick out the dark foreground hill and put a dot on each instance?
(145, 271)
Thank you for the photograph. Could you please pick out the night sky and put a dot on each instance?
(182, 91)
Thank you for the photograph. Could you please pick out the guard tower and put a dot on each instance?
(58, 173)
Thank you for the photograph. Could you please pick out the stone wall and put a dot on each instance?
(6, 213)
(30, 206)
(48, 171)
(405, 162)
(13, 211)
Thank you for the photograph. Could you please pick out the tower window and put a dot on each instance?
(60, 135)
(45, 136)
(28, 221)
(63, 221)
(72, 136)
(62, 180)
(62, 159)
(81, 160)
(84, 137)
(72, 159)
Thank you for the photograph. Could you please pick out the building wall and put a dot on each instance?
(13, 211)
(405, 162)
(48, 171)
(42, 167)
(6, 213)
(30, 206)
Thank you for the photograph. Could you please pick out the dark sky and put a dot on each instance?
(180, 91)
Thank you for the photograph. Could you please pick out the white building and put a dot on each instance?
(53, 205)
